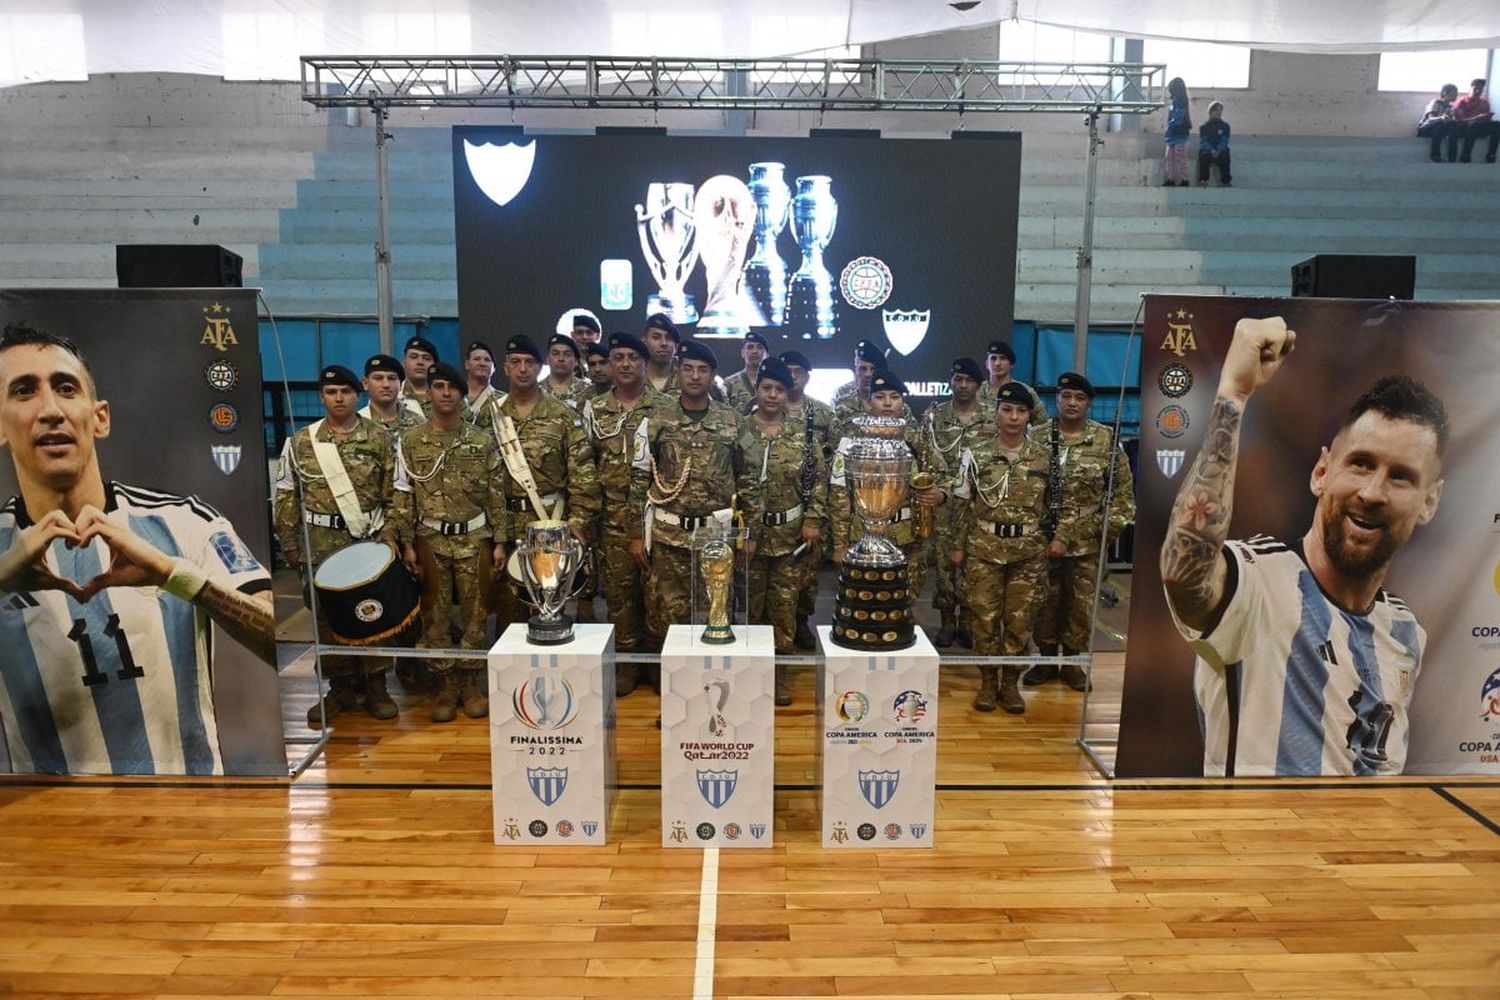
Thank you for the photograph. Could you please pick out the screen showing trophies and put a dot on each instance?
(815, 242)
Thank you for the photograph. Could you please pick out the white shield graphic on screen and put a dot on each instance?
(500, 171)
(905, 328)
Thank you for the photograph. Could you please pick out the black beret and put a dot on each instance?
(421, 344)
(478, 345)
(755, 338)
(597, 350)
(630, 342)
(664, 322)
(887, 381)
(694, 351)
(385, 363)
(795, 358)
(565, 341)
(522, 344)
(338, 375)
(444, 372)
(775, 371)
(868, 350)
(969, 367)
(587, 321)
(1013, 392)
(1073, 380)
(1003, 349)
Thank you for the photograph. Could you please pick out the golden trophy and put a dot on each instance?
(921, 524)
(872, 608)
(717, 562)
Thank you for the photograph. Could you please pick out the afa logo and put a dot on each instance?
(545, 702)
(1179, 339)
(909, 708)
(218, 331)
(1489, 698)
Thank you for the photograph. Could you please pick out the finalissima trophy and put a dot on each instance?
(811, 308)
(765, 273)
(546, 563)
(872, 609)
(668, 242)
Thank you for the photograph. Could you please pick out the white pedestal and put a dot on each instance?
(552, 737)
(878, 743)
(718, 725)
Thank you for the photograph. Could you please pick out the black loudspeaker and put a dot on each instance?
(177, 265)
(1355, 276)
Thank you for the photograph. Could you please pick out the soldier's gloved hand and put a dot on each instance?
(956, 557)
(637, 549)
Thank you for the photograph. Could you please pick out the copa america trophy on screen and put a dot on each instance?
(669, 244)
(547, 563)
(725, 213)
(872, 609)
(811, 309)
(765, 273)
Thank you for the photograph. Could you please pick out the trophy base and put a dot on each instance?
(767, 289)
(679, 310)
(872, 609)
(811, 309)
(550, 632)
(717, 635)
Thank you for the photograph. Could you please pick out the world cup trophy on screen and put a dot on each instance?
(872, 609)
(669, 244)
(725, 213)
(765, 274)
(812, 310)
(547, 563)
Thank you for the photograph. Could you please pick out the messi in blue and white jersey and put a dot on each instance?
(119, 683)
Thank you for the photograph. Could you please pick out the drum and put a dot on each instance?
(366, 593)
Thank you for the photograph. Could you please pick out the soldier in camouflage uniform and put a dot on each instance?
(1087, 459)
(564, 381)
(556, 453)
(739, 388)
(303, 495)
(479, 400)
(662, 339)
(1000, 501)
(417, 358)
(853, 398)
(600, 381)
(586, 332)
(611, 421)
(818, 416)
(887, 399)
(452, 507)
(948, 428)
(687, 467)
(794, 491)
(1000, 361)
(383, 378)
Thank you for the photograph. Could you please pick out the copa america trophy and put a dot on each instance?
(668, 242)
(765, 273)
(716, 560)
(725, 212)
(548, 562)
(872, 609)
(811, 309)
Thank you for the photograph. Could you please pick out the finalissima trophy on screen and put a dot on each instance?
(812, 310)
(765, 273)
(669, 242)
(872, 609)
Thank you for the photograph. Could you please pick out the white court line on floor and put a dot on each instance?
(708, 917)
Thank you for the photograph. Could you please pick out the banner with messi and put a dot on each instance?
(1317, 576)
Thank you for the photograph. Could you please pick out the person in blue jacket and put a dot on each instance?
(1179, 131)
(1213, 145)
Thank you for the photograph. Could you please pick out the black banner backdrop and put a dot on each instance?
(917, 237)
(181, 372)
(1447, 574)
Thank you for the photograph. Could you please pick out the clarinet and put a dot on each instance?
(1054, 487)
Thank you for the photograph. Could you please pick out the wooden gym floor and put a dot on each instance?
(374, 874)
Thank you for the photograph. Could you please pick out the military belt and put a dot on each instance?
(904, 514)
(318, 520)
(520, 505)
(453, 527)
(1006, 529)
(687, 522)
(782, 517)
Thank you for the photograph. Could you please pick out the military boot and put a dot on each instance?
(984, 701)
(804, 639)
(1010, 691)
(627, 676)
(1041, 673)
(444, 704)
(338, 698)
(783, 688)
(946, 630)
(965, 633)
(1075, 677)
(377, 700)
(475, 694)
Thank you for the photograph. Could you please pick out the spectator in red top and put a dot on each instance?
(1472, 114)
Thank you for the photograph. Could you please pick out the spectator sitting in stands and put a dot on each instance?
(1474, 119)
(1437, 123)
(1213, 145)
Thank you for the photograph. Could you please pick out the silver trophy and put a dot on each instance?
(765, 273)
(811, 309)
(547, 564)
(872, 607)
(668, 241)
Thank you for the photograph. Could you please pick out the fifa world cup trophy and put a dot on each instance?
(717, 563)
(725, 213)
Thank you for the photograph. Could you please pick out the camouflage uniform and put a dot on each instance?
(612, 433)
(408, 393)
(452, 481)
(670, 387)
(480, 411)
(704, 455)
(777, 576)
(369, 458)
(571, 393)
(1085, 467)
(851, 406)
(847, 529)
(948, 433)
(986, 399)
(739, 392)
(822, 422)
(406, 418)
(562, 464)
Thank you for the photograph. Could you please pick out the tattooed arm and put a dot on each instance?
(248, 618)
(1192, 565)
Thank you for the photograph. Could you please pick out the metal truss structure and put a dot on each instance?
(599, 82)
